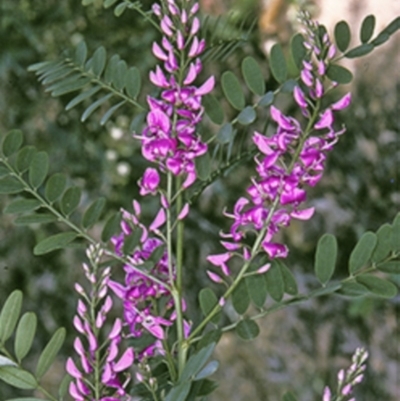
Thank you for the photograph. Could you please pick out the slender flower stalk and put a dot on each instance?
(101, 373)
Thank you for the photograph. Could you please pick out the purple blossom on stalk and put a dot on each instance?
(101, 364)
(347, 379)
(170, 138)
(288, 161)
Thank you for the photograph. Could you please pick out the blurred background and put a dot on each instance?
(300, 348)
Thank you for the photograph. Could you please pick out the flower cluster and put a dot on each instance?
(349, 378)
(290, 160)
(100, 364)
(170, 138)
(140, 293)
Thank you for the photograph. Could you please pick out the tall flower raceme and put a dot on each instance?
(101, 373)
(288, 161)
(170, 137)
(348, 379)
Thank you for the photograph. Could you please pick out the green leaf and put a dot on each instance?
(206, 387)
(87, 2)
(25, 157)
(119, 75)
(329, 289)
(360, 51)
(64, 386)
(38, 169)
(392, 267)
(55, 187)
(339, 74)
(10, 185)
(35, 218)
(12, 142)
(225, 134)
(212, 336)
(118, 11)
(4, 171)
(362, 252)
(267, 99)
(25, 334)
(18, 378)
(109, 3)
(278, 63)
(82, 96)
(378, 286)
(257, 289)
(88, 112)
(247, 116)
(111, 68)
(181, 390)
(93, 213)
(203, 166)
(50, 352)
(253, 76)
(396, 234)
(207, 301)
(274, 279)
(207, 371)
(241, 298)
(247, 329)
(22, 206)
(81, 54)
(68, 87)
(387, 32)
(99, 61)
(325, 258)
(342, 35)
(298, 50)
(367, 28)
(133, 82)
(9, 315)
(289, 397)
(60, 73)
(70, 200)
(381, 39)
(353, 289)
(383, 246)
(111, 227)
(54, 242)
(232, 90)
(196, 362)
(111, 111)
(132, 241)
(289, 282)
(213, 109)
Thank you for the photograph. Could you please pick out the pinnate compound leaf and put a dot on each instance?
(278, 63)
(111, 227)
(362, 252)
(274, 279)
(70, 200)
(9, 315)
(384, 242)
(54, 242)
(387, 32)
(88, 112)
(50, 352)
(339, 74)
(378, 286)
(360, 51)
(25, 334)
(367, 28)
(241, 298)
(55, 187)
(18, 378)
(213, 109)
(253, 76)
(99, 61)
(82, 96)
(232, 90)
(208, 300)
(65, 87)
(342, 35)
(133, 82)
(81, 54)
(35, 218)
(247, 116)
(298, 50)
(25, 157)
(38, 169)
(22, 206)
(93, 213)
(10, 185)
(325, 258)
(396, 234)
(12, 142)
(247, 329)
(257, 289)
